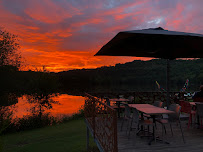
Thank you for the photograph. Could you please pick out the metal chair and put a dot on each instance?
(127, 115)
(186, 107)
(200, 112)
(158, 104)
(131, 99)
(136, 122)
(172, 118)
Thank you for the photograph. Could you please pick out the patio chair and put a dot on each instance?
(131, 99)
(186, 107)
(114, 106)
(158, 104)
(136, 122)
(172, 118)
(198, 99)
(200, 112)
(127, 115)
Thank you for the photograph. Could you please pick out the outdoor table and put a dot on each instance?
(153, 111)
(118, 102)
(194, 103)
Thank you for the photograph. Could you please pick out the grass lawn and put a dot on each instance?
(67, 137)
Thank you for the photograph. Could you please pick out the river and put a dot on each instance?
(66, 106)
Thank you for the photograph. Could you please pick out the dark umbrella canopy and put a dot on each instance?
(156, 43)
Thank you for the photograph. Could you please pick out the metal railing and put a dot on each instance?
(139, 97)
(101, 120)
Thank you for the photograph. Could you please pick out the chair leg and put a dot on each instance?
(181, 131)
(154, 130)
(195, 119)
(189, 122)
(148, 128)
(136, 131)
(130, 126)
(165, 129)
(162, 132)
(122, 123)
(171, 129)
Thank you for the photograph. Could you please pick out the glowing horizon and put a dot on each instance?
(63, 35)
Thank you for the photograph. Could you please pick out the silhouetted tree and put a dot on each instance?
(44, 91)
(42, 102)
(9, 47)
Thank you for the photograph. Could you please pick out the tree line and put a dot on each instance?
(137, 75)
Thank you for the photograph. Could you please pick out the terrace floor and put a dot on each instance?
(193, 137)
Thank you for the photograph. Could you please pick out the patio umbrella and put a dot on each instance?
(155, 43)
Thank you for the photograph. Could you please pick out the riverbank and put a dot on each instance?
(66, 137)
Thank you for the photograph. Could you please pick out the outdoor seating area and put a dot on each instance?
(145, 127)
(193, 139)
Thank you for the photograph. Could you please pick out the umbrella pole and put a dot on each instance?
(167, 83)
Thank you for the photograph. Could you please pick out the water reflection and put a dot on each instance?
(7, 99)
(57, 105)
(42, 103)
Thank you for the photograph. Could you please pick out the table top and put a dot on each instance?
(119, 100)
(150, 109)
(194, 103)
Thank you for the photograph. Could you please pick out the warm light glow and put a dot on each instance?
(68, 105)
(64, 35)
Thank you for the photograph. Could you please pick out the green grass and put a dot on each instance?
(67, 137)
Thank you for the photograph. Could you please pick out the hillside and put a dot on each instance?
(137, 75)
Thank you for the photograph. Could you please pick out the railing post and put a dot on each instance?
(115, 132)
(94, 116)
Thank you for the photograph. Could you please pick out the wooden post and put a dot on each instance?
(87, 139)
(168, 83)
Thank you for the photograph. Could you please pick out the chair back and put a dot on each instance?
(158, 104)
(121, 96)
(176, 108)
(131, 99)
(198, 99)
(127, 112)
(135, 116)
(185, 106)
(199, 109)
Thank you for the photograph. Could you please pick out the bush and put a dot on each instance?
(5, 119)
(79, 114)
(36, 121)
(30, 122)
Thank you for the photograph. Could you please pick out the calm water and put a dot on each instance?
(67, 105)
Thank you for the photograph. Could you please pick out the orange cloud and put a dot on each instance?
(44, 14)
(65, 35)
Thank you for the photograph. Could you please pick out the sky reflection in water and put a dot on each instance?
(68, 105)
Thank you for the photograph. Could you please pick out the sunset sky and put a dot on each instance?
(65, 34)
